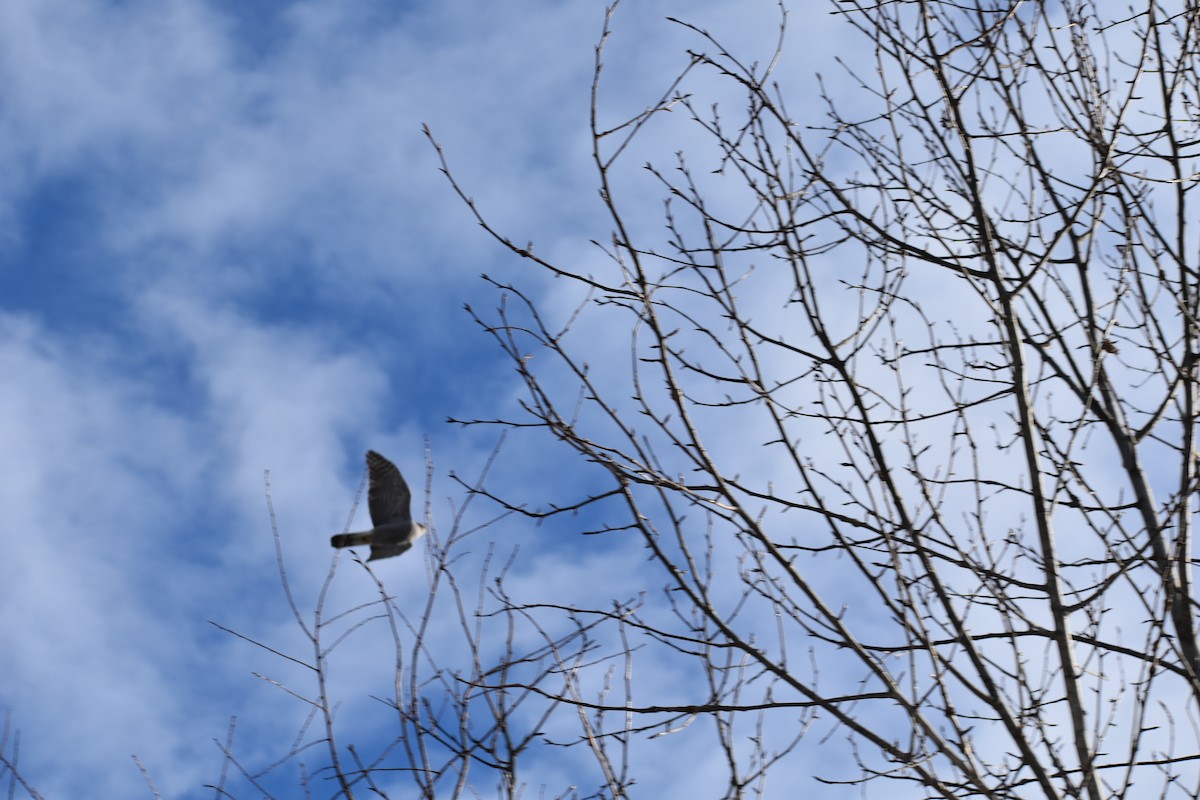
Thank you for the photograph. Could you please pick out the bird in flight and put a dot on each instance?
(390, 502)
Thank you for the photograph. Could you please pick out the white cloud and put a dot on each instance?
(247, 211)
(129, 523)
(91, 467)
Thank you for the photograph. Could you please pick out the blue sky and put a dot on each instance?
(225, 247)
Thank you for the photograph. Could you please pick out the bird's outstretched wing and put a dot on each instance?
(382, 549)
(389, 497)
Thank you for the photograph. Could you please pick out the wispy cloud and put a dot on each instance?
(255, 265)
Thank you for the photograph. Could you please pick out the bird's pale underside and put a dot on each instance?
(390, 501)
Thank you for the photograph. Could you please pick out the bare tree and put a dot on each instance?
(455, 729)
(901, 402)
(899, 399)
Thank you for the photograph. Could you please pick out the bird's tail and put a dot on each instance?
(351, 539)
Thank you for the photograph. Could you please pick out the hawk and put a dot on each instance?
(389, 499)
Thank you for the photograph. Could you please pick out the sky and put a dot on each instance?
(226, 248)
(230, 264)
